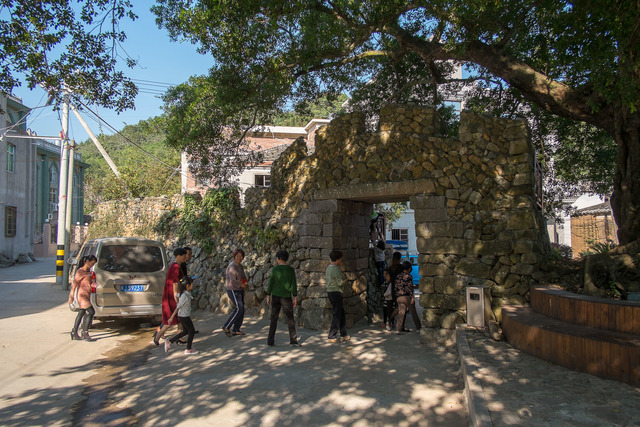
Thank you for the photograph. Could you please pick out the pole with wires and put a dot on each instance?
(67, 223)
(62, 196)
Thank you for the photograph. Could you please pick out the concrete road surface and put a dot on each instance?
(376, 379)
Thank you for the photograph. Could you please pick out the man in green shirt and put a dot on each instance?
(334, 279)
(282, 293)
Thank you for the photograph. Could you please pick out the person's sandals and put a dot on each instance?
(227, 332)
(239, 333)
(155, 341)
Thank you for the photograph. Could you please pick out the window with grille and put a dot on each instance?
(53, 175)
(11, 158)
(10, 215)
(400, 234)
(263, 180)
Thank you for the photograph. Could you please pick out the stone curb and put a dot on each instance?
(474, 394)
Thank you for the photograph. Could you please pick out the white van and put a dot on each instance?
(129, 275)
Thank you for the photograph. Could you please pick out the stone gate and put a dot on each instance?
(475, 211)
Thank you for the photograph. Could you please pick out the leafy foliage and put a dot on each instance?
(576, 60)
(146, 165)
(52, 43)
(326, 106)
(200, 218)
(392, 212)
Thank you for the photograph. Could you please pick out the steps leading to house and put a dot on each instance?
(560, 327)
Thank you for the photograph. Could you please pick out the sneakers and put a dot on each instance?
(192, 351)
(295, 344)
(346, 338)
(167, 346)
(333, 340)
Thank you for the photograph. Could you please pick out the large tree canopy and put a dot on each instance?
(576, 60)
(74, 43)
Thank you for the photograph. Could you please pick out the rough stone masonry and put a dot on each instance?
(477, 220)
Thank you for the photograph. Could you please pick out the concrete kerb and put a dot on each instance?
(474, 394)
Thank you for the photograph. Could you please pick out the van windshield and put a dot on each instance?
(130, 258)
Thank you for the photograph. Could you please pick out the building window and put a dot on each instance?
(53, 175)
(455, 105)
(263, 180)
(400, 234)
(10, 215)
(11, 158)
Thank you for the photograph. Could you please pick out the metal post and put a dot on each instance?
(65, 271)
(62, 196)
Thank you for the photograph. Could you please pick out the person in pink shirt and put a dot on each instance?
(82, 282)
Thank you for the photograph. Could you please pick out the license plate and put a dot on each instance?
(131, 288)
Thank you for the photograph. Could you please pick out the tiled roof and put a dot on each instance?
(599, 209)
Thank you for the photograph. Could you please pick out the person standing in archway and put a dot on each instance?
(403, 286)
(380, 260)
(334, 278)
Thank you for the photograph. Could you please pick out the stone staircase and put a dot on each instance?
(593, 335)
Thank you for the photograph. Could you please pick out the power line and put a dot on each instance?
(128, 140)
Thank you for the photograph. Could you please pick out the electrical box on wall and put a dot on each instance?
(475, 306)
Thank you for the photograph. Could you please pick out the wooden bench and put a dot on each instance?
(542, 329)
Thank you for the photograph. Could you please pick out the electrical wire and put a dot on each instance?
(128, 140)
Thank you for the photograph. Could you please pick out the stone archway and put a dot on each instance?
(474, 200)
(473, 196)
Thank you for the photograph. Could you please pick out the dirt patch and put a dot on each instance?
(97, 408)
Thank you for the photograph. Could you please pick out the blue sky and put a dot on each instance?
(160, 61)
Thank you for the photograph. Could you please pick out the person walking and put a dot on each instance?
(405, 299)
(334, 279)
(170, 294)
(81, 284)
(183, 309)
(236, 282)
(187, 258)
(282, 292)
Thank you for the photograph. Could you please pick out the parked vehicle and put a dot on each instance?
(129, 275)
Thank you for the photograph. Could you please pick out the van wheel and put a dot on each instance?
(156, 320)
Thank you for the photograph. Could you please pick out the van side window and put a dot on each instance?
(130, 258)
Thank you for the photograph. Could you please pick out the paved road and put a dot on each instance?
(377, 378)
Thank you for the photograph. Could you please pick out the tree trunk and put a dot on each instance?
(625, 200)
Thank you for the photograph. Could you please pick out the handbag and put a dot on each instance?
(75, 304)
(387, 293)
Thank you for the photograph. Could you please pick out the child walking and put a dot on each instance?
(183, 310)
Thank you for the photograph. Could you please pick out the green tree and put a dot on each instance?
(576, 60)
(51, 43)
(324, 107)
(147, 166)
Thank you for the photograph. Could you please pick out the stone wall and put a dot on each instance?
(475, 211)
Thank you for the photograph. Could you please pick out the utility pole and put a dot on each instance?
(67, 225)
(62, 196)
